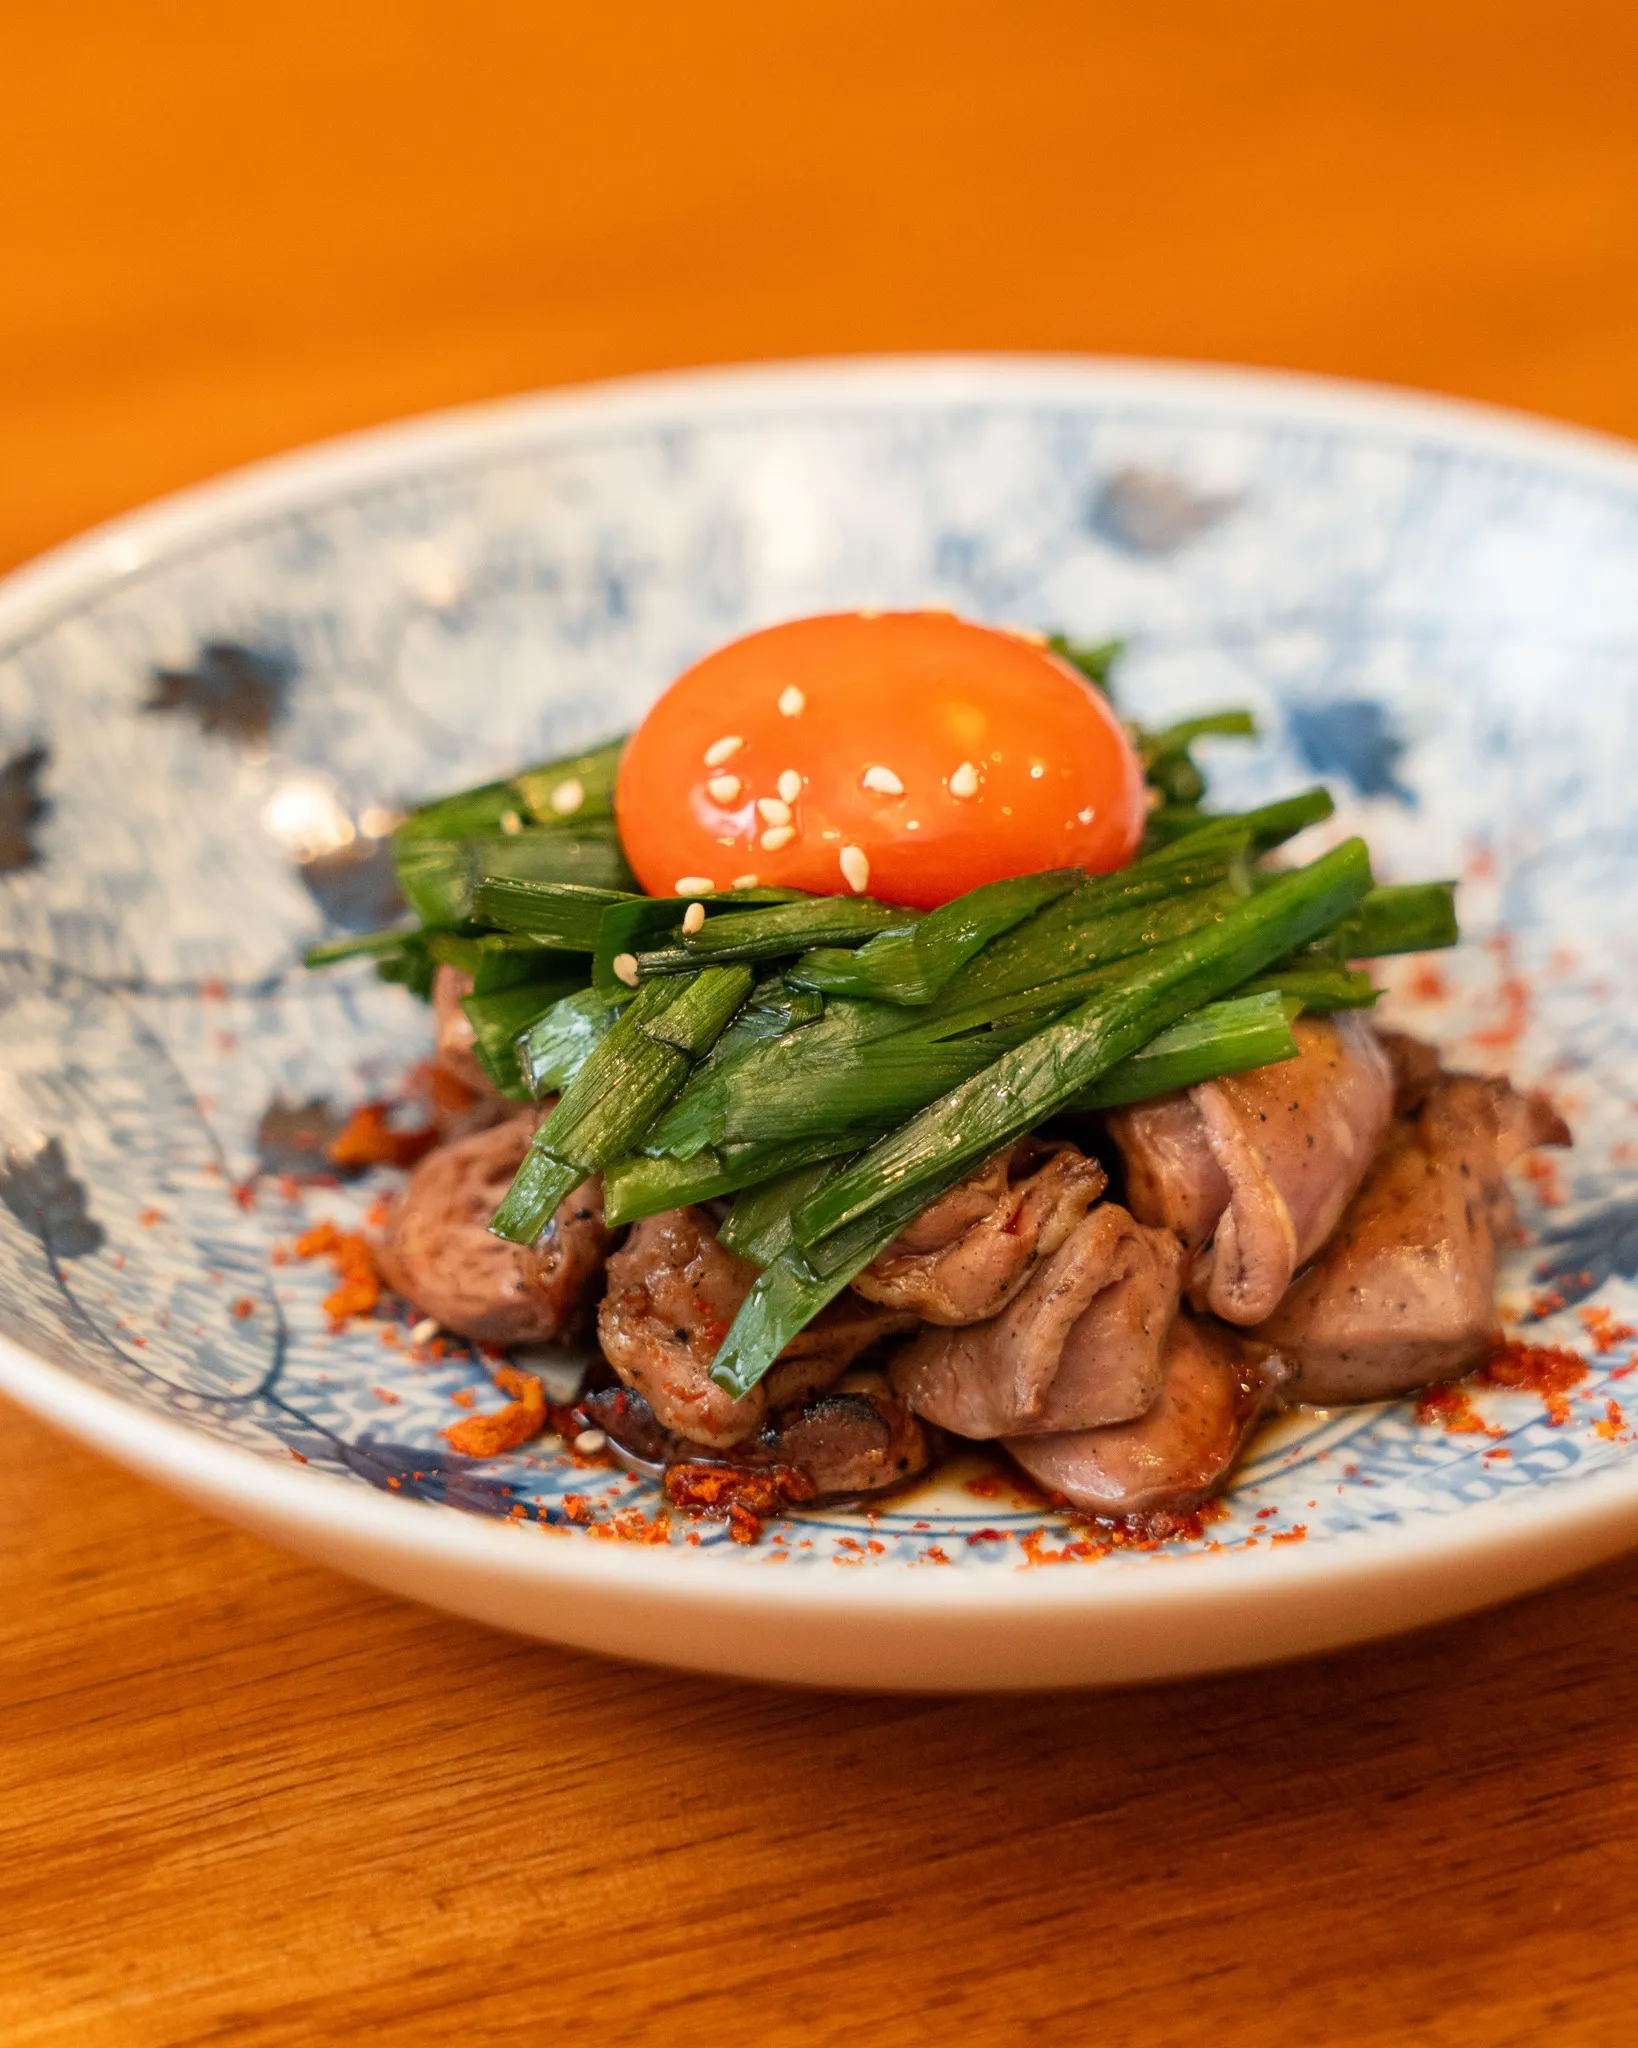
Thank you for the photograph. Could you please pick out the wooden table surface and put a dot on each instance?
(247, 1802)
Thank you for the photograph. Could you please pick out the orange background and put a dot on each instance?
(245, 1802)
(231, 229)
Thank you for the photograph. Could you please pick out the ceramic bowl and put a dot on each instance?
(209, 713)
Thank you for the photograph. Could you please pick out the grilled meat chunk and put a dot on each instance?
(856, 1437)
(965, 1257)
(455, 1035)
(1079, 1346)
(440, 1254)
(1252, 1171)
(1180, 1451)
(674, 1291)
(1405, 1291)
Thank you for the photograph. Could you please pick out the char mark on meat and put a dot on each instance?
(440, 1253)
(1404, 1294)
(1080, 1345)
(674, 1291)
(970, 1253)
(1215, 1385)
(1252, 1172)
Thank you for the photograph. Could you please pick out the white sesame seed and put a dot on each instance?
(568, 796)
(789, 784)
(723, 789)
(792, 703)
(775, 837)
(548, 1443)
(964, 782)
(425, 1330)
(625, 968)
(694, 919)
(912, 824)
(1087, 815)
(693, 885)
(883, 781)
(855, 869)
(1036, 772)
(723, 750)
(745, 881)
(511, 822)
(773, 810)
(590, 1441)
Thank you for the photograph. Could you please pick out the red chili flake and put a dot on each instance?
(213, 990)
(1542, 1174)
(386, 1396)
(366, 1139)
(300, 1460)
(244, 1193)
(1606, 1333)
(935, 1554)
(1510, 1027)
(1547, 1370)
(1613, 1427)
(244, 1307)
(878, 1549)
(578, 1508)
(149, 1217)
(1546, 1304)
(987, 1486)
(743, 1526)
(354, 1262)
(1428, 985)
(1297, 1533)
(463, 1397)
(490, 1436)
(394, 1483)
(986, 1536)
(761, 1490)
(278, 1256)
(1499, 1452)
(379, 1214)
(1451, 1408)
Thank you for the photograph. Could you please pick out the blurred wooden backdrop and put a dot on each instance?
(242, 1801)
(226, 230)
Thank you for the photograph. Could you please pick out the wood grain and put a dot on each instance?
(242, 1801)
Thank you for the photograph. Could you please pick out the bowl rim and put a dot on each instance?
(1598, 1509)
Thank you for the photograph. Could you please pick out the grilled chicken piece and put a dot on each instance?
(1416, 1066)
(1214, 1387)
(1079, 1346)
(673, 1292)
(1252, 1171)
(455, 1035)
(440, 1253)
(1405, 1291)
(854, 1438)
(965, 1257)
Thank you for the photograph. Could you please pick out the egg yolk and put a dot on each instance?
(908, 756)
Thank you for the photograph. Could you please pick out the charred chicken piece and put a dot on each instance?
(674, 1291)
(440, 1253)
(1079, 1346)
(968, 1255)
(1405, 1291)
(1214, 1387)
(1253, 1171)
(455, 1035)
(856, 1437)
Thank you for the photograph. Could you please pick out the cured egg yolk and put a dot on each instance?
(909, 756)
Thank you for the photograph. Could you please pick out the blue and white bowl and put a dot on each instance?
(209, 713)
